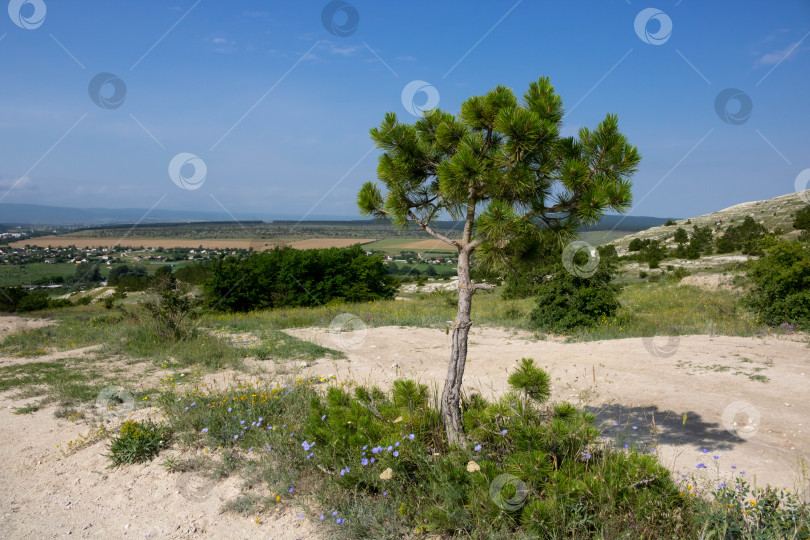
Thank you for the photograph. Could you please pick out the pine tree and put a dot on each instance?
(500, 167)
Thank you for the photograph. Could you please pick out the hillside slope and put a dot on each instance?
(772, 213)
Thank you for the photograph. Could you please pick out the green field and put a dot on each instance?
(393, 246)
(27, 274)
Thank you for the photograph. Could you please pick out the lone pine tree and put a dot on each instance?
(501, 168)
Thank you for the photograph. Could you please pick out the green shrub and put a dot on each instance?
(531, 380)
(567, 302)
(171, 307)
(680, 273)
(801, 219)
(291, 277)
(607, 251)
(743, 512)
(636, 244)
(744, 237)
(138, 442)
(124, 270)
(196, 273)
(380, 461)
(781, 284)
(17, 299)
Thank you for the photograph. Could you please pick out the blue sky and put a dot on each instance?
(278, 106)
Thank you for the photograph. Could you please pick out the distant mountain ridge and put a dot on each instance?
(36, 214)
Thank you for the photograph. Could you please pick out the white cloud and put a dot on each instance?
(775, 57)
(219, 40)
(349, 50)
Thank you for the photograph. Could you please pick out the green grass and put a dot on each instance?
(137, 442)
(311, 443)
(647, 309)
(52, 382)
(323, 438)
(13, 275)
(75, 327)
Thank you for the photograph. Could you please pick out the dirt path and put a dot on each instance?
(762, 428)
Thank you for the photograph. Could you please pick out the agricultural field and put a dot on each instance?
(29, 274)
(167, 243)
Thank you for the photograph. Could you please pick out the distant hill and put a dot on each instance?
(36, 214)
(772, 213)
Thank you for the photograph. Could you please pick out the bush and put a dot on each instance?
(744, 237)
(801, 219)
(297, 278)
(132, 283)
(653, 253)
(122, 271)
(567, 302)
(781, 279)
(680, 273)
(195, 274)
(33, 301)
(607, 251)
(171, 307)
(531, 380)
(17, 299)
(636, 244)
(380, 461)
(743, 512)
(138, 442)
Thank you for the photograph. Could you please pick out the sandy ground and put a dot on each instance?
(762, 428)
(45, 493)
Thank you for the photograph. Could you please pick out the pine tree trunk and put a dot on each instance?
(451, 397)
